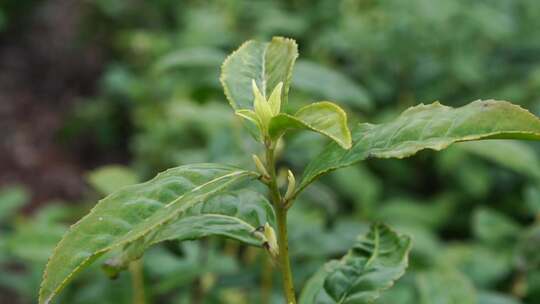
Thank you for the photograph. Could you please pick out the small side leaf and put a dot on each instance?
(134, 214)
(422, 127)
(268, 63)
(375, 262)
(322, 117)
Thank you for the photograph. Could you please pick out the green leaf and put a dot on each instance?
(11, 199)
(527, 256)
(108, 179)
(322, 117)
(314, 285)
(134, 214)
(233, 214)
(326, 83)
(524, 159)
(191, 57)
(492, 227)
(374, 263)
(431, 126)
(268, 63)
(445, 286)
(489, 297)
(484, 266)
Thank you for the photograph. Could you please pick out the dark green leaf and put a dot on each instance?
(486, 297)
(484, 266)
(431, 126)
(445, 286)
(527, 256)
(314, 286)
(523, 158)
(495, 228)
(375, 262)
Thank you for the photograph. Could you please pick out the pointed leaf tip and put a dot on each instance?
(268, 63)
(275, 99)
(433, 126)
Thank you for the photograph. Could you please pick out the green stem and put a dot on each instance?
(137, 281)
(266, 280)
(284, 261)
(281, 213)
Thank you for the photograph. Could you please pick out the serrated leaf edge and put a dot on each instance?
(223, 74)
(375, 254)
(304, 184)
(347, 144)
(287, 82)
(98, 253)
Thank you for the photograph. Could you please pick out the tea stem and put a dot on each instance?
(266, 280)
(137, 280)
(281, 214)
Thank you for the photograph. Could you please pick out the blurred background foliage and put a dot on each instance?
(473, 210)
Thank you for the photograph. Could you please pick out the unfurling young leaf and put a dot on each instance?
(376, 260)
(266, 63)
(195, 201)
(322, 117)
(271, 240)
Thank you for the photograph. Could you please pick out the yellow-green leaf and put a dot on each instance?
(268, 63)
(322, 117)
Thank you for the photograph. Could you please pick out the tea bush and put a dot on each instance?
(471, 210)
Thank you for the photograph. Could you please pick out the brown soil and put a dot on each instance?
(44, 70)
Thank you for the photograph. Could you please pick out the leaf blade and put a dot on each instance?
(375, 262)
(132, 213)
(234, 214)
(322, 117)
(268, 63)
(431, 126)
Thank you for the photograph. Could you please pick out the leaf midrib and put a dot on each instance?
(134, 238)
(374, 255)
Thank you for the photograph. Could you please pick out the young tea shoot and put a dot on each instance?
(201, 200)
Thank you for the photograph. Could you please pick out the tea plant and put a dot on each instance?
(196, 201)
